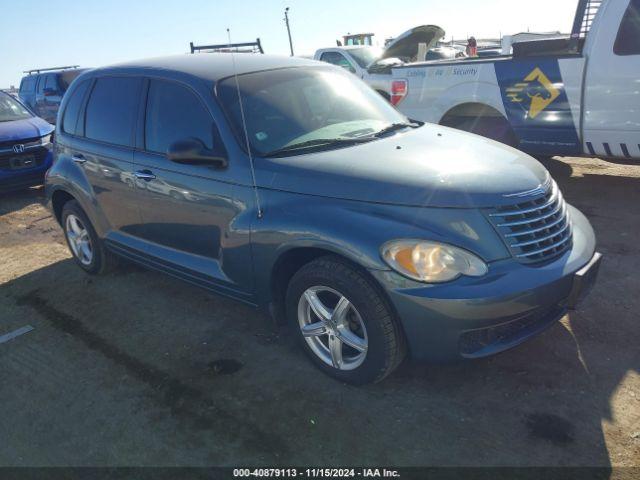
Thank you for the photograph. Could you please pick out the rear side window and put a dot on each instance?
(70, 122)
(28, 85)
(175, 113)
(112, 109)
(628, 39)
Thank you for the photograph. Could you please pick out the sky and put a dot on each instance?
(94, 33)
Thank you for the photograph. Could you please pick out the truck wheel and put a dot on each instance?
(343, 323)
(86, 247)
(495, 128)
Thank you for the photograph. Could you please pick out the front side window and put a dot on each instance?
(41, 80)
(51, 83)
(28, 85)
(293, 105)
(365, 56)
(11, 109)
(70, 122)
(175, 113)
(112, 110)
(628, 39)
(336, 58)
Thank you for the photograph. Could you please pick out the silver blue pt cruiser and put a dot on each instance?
(291, 185)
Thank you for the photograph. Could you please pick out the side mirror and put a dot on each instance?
(192, 151)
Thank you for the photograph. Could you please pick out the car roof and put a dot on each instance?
(350, 47)
(357, 47)
(208, 66)
(36, 74)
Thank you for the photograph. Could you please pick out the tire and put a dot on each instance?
(101, 260)
(367, 321)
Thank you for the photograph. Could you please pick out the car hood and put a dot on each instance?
(431, 166)
(24, 129)
(406, 45)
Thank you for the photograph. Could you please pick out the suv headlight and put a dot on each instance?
(431, 262)
(47, 140)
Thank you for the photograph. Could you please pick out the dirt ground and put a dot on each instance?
(136, 368)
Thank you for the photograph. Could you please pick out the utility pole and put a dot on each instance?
(286, 20)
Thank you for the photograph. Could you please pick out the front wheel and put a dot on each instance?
(343, 323)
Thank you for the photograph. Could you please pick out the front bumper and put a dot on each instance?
(476, 317)
(18, 179)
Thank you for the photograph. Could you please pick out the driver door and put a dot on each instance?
(186, 210)
(339, 60)
(611, 100)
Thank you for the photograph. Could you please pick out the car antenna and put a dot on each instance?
(244, 127)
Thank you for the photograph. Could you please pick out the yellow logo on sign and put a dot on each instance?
(538, 88)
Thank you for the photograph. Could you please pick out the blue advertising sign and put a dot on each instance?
(537, 107)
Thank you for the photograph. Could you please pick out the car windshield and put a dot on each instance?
(11, 109)
(365, 56)
(314, 106)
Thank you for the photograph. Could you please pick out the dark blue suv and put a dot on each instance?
(42, 90)
(25, 145)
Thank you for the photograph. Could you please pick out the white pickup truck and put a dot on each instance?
(565, 96)
(373, 65)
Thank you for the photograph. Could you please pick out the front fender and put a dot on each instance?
(356, 230)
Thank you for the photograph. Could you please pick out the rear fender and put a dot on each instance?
(469, 93)
(68, 177)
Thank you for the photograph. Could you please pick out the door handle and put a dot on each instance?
(78, 158)
(144, 175)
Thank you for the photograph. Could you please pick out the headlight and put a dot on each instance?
(431, 262)
(47, 139)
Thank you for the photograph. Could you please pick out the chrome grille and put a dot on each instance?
(27, 142)
(39, 154)
(535, 230)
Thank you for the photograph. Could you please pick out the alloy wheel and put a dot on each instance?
(332, 328)
(79, 239)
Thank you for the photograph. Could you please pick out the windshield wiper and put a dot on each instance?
(318, 143)
(393, 127)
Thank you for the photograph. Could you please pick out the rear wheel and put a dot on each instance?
(343, 323)
(86, 247)
(495, 128)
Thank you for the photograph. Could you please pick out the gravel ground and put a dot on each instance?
(136, 368)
